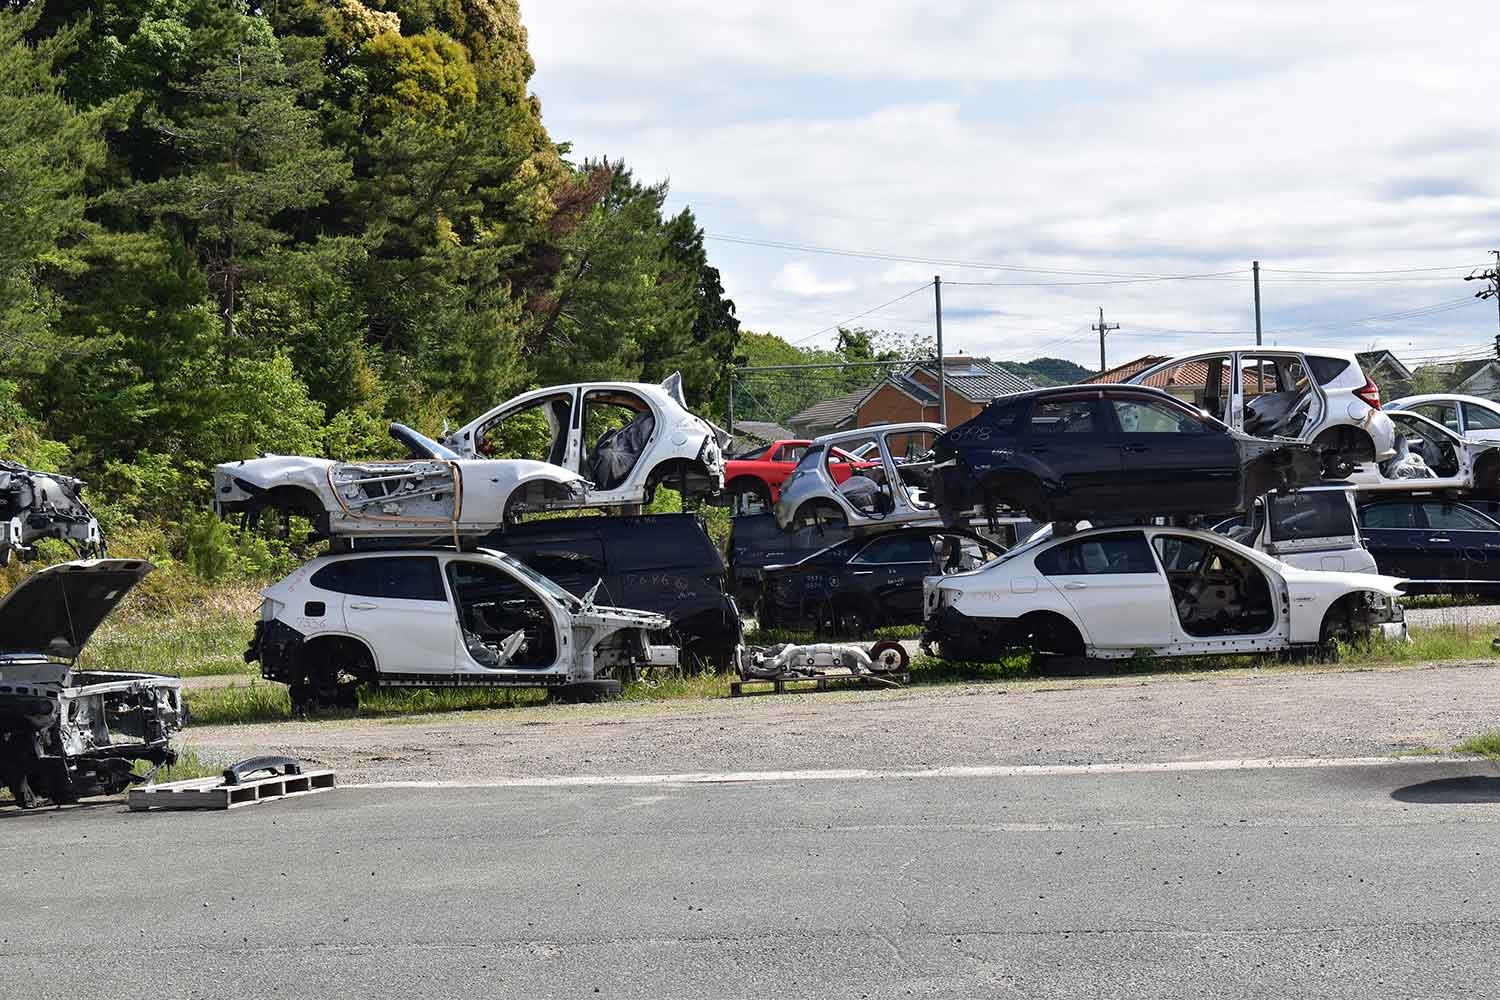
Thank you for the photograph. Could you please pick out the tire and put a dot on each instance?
(890, 656)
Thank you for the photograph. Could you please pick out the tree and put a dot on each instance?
(251, 156)
(47, 147)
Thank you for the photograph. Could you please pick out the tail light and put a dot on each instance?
(1370, 393)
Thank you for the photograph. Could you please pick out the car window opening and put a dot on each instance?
(493, 607)
(620, 425)
(537, 431)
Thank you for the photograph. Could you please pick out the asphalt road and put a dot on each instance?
(1369, 882)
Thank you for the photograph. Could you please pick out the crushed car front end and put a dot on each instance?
(617, 641)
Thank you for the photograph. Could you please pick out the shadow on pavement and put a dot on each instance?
(1448, 791)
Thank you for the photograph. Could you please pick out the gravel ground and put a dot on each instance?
(1303, 713)
(1474, 616)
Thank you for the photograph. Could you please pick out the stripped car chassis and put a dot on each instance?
(37, 505)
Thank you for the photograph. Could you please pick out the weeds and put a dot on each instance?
(206, 637)
(1485, 744)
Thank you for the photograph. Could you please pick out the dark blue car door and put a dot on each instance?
(1069, 443)
(889, 570)
(1173, 456)
(1462, 543)
(1396, 534)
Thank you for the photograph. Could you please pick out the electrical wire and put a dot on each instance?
(920, 288)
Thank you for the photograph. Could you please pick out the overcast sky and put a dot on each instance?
(1117, 140)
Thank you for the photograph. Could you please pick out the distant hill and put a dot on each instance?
(1049, 371)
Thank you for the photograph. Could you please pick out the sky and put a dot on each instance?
(1049, 159)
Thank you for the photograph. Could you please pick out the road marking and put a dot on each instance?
(867, 774)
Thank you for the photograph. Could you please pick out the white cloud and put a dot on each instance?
(798, 279)
(1159, 138)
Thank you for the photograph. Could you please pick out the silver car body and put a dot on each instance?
(1332, 413)
(1119, 614)
(430, 642)
(36, 505)
(675, 448)
(811, 486)
(413, 497)
(1475, 418)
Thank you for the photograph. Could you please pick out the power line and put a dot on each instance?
(920, 288)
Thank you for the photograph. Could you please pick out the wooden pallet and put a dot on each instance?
(212, 793)
(820, 682)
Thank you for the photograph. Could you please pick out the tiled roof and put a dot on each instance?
(978, 380)
(763, 430)
(1122, 372)
(828, 413)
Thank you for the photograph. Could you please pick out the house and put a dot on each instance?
(828, 415)
(752, 433)
(911, 394)
(1466, 378)
(1120, 373)
(1386, 371)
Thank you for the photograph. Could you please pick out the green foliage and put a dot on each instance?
(1050, 371)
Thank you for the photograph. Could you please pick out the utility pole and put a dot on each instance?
(1103, 328)
(1492, 275)
(1255, 269)
(937, 300)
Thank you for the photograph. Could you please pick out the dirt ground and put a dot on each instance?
(1227, 715)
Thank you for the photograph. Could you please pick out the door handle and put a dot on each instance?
(1437, 539)
(862, 572)
(1133, 447)
(1075, 585)
(1035, 449)
(362, 606)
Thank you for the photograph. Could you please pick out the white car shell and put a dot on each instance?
(419, 628)
(1447, 460)
(1471, 416)
(676, 448)
(1121, 614)
(1339, 415)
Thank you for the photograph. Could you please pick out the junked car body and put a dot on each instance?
(1077, 452)
(434, 493)
(68, 733)
(1473, 417)
(1440, 544)
(1312, 528)
(1158, 591)
(1319, 396)
(1429, 456)
(623, 438)
(437, 617)
(36, 505)
(884, 490)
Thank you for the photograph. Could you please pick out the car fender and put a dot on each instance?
(1313, 592)
(269, 472)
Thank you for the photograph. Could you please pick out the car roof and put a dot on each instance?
(1087, 388)
(1321, 352)
(860, 432)
(1435, 397)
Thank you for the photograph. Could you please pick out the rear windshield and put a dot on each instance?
(1325, 370)
(1315, 514)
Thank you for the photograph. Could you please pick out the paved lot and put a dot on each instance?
(1362, 882)
(1326, 713)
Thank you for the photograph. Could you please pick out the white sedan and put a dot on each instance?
(1470, 416)
(435, 493)
(1146, 590)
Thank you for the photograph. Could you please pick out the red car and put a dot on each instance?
(752, 481)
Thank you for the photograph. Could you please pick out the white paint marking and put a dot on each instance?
(866, 774)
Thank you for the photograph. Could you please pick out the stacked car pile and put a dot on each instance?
(1130, 477)
(433, 579)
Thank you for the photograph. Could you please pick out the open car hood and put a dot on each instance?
(54, 611)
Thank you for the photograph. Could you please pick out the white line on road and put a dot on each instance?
(866, 774)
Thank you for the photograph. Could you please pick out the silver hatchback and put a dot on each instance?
(888, 485)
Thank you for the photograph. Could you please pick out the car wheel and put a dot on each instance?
(890, 657)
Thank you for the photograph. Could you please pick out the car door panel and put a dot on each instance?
(1071, 446)
(1174, 456)
(403, 613)
(1117, 600)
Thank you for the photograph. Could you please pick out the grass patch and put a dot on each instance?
(1485, 744)
(929, 670)
(207, 637)
(1419, 752)
(253, 702)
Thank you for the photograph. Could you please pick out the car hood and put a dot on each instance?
(55, 610)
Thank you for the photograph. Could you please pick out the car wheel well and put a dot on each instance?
(331, 669)
(1017, 490)
(1050, 632)
(818, 513)
(1350, 444)
(687, 476)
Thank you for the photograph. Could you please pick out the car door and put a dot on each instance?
(494, 603)
(1172, 454)
(1480, 422)
(1395, 534)
(890, 570)
(398, 605)
(1069, 443)
(1461, 543)
(1114, 586)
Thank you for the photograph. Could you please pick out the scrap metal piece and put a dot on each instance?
(36, 505)
(793, 660)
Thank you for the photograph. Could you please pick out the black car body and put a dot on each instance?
(756, 541)
(664, 563)
(1432, 541)
(1078, 452)
(867, 582)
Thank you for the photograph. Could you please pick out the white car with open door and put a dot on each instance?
(1146, 590)
(434, 493)
(437, 617)
(624, 438)
(887, 487)
(1429, 456)
(1475, 418)
(1319, 396)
